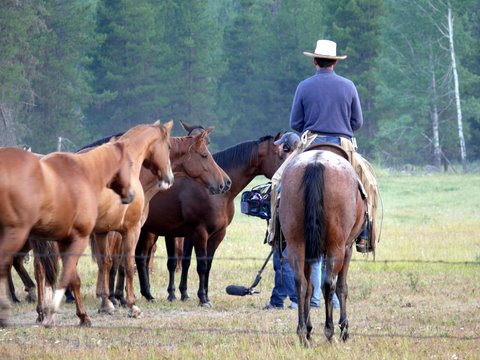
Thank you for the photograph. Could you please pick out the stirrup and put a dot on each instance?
(363, 242)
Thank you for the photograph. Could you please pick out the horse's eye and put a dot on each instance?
(205, 156)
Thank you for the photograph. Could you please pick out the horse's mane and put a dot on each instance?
(99, 142)
(239, 154)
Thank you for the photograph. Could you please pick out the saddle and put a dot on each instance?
(337, 149)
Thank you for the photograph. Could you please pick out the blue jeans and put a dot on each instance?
(326, 139)
(284, 280)
(319, 272)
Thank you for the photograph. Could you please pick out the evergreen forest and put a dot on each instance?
(75, 71)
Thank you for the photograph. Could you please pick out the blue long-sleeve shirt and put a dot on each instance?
(328, 104)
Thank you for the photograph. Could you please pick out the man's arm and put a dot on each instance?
(297, 121)
(356, 120)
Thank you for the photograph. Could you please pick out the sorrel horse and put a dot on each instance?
(148, 145)
(55, 198)
(174, 214)
(321, 213)
(189, 157)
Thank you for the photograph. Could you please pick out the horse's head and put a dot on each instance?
(121, 182)
(271, 156)
(158, 159)
(198, 163)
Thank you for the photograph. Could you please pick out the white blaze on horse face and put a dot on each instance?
(163, 185)
(57, 299)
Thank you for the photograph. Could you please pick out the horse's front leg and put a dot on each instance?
(186, 261)
(81, 312)
(142, 252)
(170, 244)
(130, 239)
(104, 262)
(212, 243)
(200, 243)
(70, 251)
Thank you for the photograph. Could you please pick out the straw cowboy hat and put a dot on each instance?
(325, 49)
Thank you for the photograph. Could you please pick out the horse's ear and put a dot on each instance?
(156, 123)
(278, 136)
(209, 129)
(169, 126)
(112, 139)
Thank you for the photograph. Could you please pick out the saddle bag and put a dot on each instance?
(256, 202)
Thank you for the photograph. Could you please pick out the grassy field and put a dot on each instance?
(420, 298)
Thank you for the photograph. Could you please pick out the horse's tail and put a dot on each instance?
(47, 253)
(314, 230)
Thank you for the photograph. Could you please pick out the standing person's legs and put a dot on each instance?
(289, 280)
(278, 292)
(317, 288)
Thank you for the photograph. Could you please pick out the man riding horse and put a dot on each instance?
(326, 109)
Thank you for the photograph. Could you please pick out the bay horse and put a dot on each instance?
(55, 197)
(189, 157)
(205, 220)
(321, 213)
(149, 147)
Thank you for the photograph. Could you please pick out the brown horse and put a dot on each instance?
(321, 213)
(189, 157)
(147, 144)
(55, 198)
(205, 220)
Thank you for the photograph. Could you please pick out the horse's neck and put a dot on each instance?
(136, 148)
(241, 176)
(180, 147)
(100, 164)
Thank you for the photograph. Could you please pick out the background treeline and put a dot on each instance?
(74, 71)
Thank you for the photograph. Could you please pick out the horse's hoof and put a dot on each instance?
(185, 297)
(207, 304)
(152, 300)
(86, 322)
(113, 301)
(48, 322)
(171, 297)
(304, 341)
(344, 336)
(106, 310)
(134, 312)
(30, 298)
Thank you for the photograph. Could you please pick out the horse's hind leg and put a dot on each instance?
(11, 287)
(328, 289)
(18, 264)
(342, 294)
(70, 253)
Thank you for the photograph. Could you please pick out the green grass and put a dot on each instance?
(420, 299)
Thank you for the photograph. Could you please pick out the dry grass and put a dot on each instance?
(397, 309)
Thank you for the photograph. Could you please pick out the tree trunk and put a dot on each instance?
(7, 131)
(463, 151)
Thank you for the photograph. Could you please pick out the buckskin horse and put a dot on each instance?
(189, 157)
(55, 197)
(321, 213)
(148, 145)
(174, 214)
